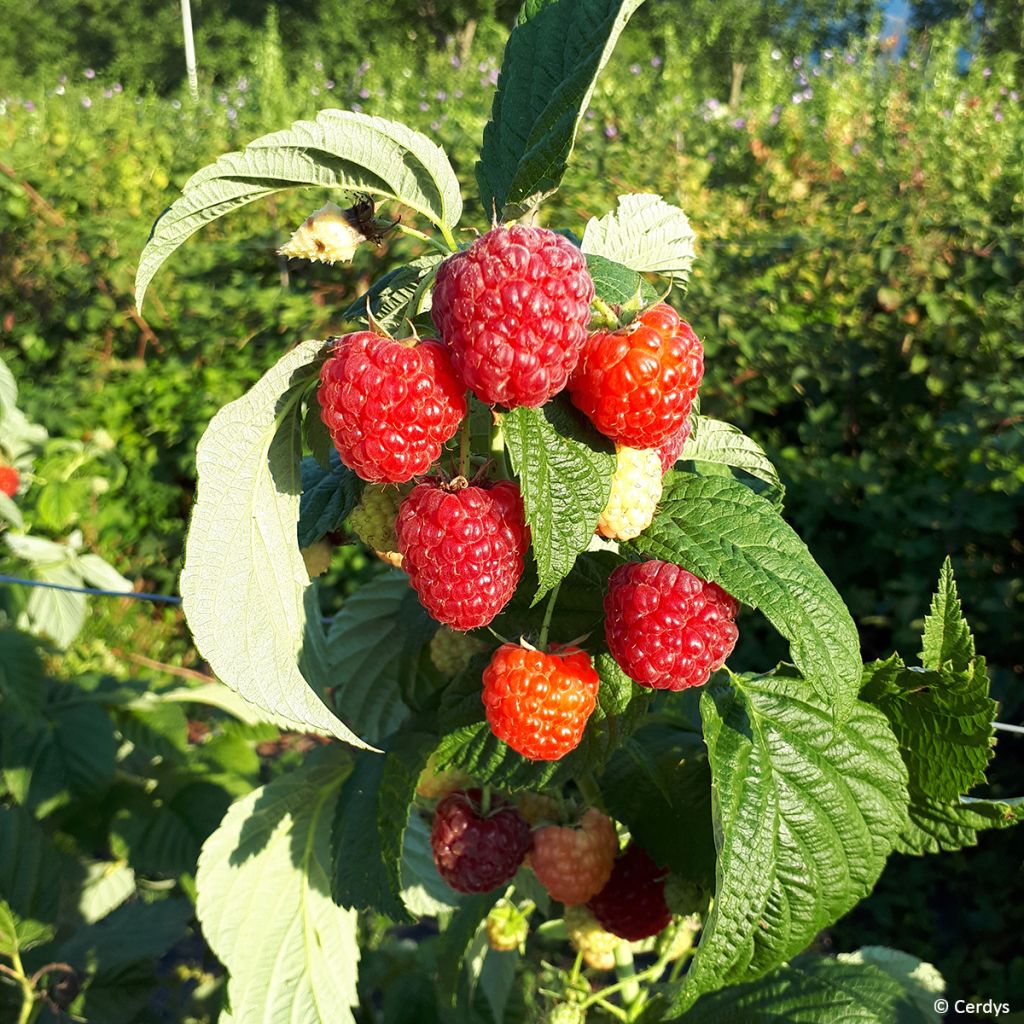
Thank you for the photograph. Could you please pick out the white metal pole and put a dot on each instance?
(190, 48)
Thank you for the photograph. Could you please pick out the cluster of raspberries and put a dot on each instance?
(513, 313)
(479, 843)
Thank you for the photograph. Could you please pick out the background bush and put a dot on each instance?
(860, 290)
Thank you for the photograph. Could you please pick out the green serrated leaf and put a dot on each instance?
(720, 443)
(475, 750)
(265, 901)
(22, 678)
(658, 784)
(401, 294)
(804, 817)
(721, 531)
(938, 826)
(456, 943)
(340, 149)
(565, 473)
(616, 284)
(29, 883)
(645, 234)
(105, 886)
(551, 63)
(374, 645)
(812, 990)
(244, 580)
(942, 721)
(920, 979)
(947, 637)
(327, 498)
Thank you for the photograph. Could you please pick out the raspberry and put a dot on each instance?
(451, 652)
(332, 235)
(373, 519)
(566, 1013)
(473, 851)
(389, 405)
(539, 703)
(463, 548)
(637, 384)
(666, 628)
(437, 782)
(10, 480)
(670, 450)
(513, 309)
(632, 904)
(590, 939)
(574, 864)
(508, 926)
(635, 493)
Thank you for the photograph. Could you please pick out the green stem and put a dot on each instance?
(485, 799)
(432, 242)
(549, 611)
(626, 973)
(449, 238)
(616, 1011)
(466, 447)
(576, 967)
(630, 980)
(28, 995)
(589, 788)
(497, 450)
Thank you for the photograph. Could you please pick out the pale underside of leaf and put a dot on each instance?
(340, 149)
(645, 234)
(265, 904)
(244, 580)
(805, 817)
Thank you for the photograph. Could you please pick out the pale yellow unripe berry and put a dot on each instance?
(636, 491)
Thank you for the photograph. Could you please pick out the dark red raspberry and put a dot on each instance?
(513, 309)
(539, 703)
(637, 384)
(670, 450)
(476, 851)
(667, 628)
(389, 405)
(10, 479)
(632, 904)
(463, 548)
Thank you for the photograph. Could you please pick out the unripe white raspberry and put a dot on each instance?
(636, 491)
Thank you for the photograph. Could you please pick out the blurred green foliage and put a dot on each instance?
(860, 290)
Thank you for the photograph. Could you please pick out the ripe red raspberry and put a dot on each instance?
(513, 309)
(632, 904)
(463, 548)
(574, 864)
(10, 479)
(637, 384)
(666, 628)
(389, 405)
(670, 450)
(474, 851)
(539, 703)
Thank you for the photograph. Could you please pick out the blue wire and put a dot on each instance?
(132, 594)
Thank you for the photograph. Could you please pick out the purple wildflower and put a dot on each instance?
(610, 131)
(86, 102)
(634, 69)
(424, 107)
(455, 62)
(89, 73)
(797, 61)
(329, 84)
(739, 122)
(364, 94)
(655, 61)
(986, 72)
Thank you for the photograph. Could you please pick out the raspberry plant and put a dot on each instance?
(765, 803)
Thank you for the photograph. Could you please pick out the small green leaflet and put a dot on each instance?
(457, 941)
(551, 64)
(947, 637)
(401, 294)
(938, 826)
(244, 580)
(721, 443)
(265, 901)
(804, 818)
(645, 234)
(340, 149)
(720, 530)
(812, 990)
(327, 498)
(618, 285)
(565, 473)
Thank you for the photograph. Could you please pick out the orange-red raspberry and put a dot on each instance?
(632, 904)
(666, 628)
(538, 703)
(637, 384)
(476, 851)
(389, 405)
(574, 864)
(463, 547)
(670, 450)
(10, 479)
(513, 309)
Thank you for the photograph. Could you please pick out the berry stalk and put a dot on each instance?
(549, 611)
